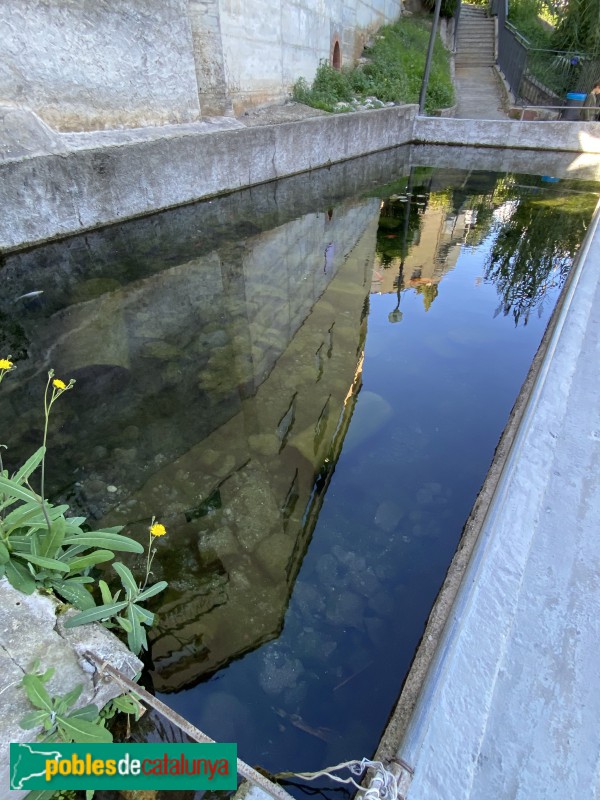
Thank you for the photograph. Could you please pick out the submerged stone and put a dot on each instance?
(388, 515)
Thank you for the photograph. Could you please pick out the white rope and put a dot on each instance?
(383, 786)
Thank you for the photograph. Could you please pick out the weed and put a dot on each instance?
(393, 72)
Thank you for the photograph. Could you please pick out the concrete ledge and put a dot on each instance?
(578, 137)
(54, 185)
(56, 194)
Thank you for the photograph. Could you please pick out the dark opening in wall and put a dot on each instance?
(336, 58)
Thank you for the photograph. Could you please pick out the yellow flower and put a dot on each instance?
(5, 363)
(158, 530)
(58, 384)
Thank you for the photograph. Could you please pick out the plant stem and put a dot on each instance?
(148, 561)
(47, 407)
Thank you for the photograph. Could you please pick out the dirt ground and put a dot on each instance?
(284, 112)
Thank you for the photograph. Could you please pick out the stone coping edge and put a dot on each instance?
(61, 192)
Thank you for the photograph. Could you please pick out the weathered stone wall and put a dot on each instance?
(51, 195)
(93, 65)
(268, 45)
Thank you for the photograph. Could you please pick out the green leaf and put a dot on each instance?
(152, 590)
(89, 712)
(136, 638)
(95, 614)
(128, 704)
(30, 465)
(74, 593)
(143, 615)
(19, 577)
(36, 692)
(105, 592)
(97, 557)
(75, 522)
(22, 514)
(45, 563)
(106, 539)
(70, 698)
(33, 719)
(43, 676)
(72, 551)
(4, 554)
(80, 730)
(52, 541)
(127, 579)
(14, 491)
(125, 624)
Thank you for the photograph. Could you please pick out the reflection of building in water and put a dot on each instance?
(215, 395)
(432, 255)
(253, 487)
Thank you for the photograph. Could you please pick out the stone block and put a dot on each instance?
(30, 631)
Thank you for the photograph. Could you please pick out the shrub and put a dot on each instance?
(393, 72)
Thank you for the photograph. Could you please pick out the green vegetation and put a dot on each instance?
(393, 72)
(41, 548)
(578, 27)
(564, 41)
(535, 248)
(61, 722)
(532, 249)
(527, 17)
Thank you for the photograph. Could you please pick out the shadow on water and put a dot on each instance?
(305, 382)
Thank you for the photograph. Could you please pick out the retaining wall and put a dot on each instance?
(578, 137)
(92, 65)
(84, 65)
(64, 192)
(53, 185)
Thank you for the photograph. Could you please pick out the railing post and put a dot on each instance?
(434, 25)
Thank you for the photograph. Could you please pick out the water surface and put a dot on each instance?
(305, 383)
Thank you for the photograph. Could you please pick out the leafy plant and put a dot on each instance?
(129, 704)
(393, 71)
(127, 612)
(59, 720)
(40, 547)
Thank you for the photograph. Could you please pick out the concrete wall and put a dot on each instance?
(55, 195)
(91, 65)
(579, 137)
(268, 45)
(85, 65)
(66, 184)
